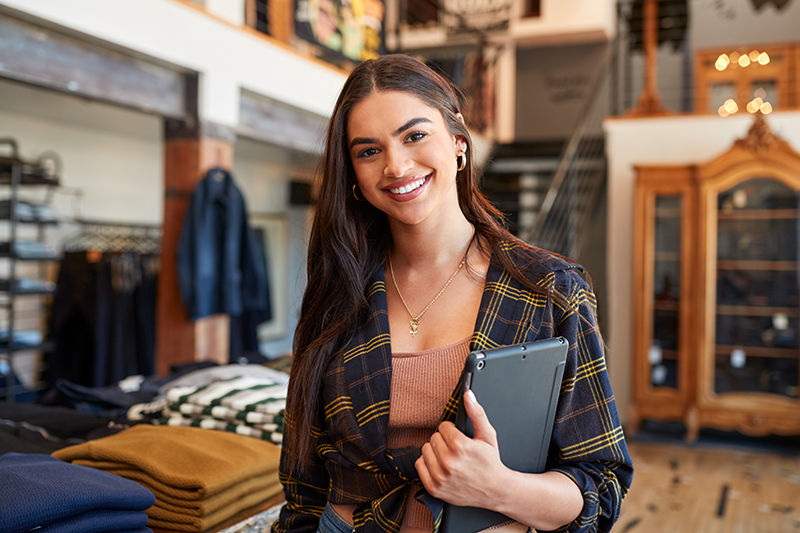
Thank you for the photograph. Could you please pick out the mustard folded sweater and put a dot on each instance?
(198, 462)
(166, 519)
(170, 498)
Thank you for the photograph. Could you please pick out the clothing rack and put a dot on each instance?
(106, 293)
(114, 237)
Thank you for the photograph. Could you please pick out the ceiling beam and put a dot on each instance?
(43, 56)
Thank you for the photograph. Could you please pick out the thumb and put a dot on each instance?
(480, 422)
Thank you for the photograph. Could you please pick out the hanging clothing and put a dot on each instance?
(103, 319)
(219, 265)
(221, 268)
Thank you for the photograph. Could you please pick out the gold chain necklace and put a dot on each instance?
(414, 322)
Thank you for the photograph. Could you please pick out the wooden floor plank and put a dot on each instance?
(679, 488)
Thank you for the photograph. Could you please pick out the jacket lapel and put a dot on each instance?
(367, 361)
(501, 305)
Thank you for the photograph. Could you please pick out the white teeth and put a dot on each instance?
(408, 188)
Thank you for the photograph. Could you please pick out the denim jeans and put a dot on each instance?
(330, 522)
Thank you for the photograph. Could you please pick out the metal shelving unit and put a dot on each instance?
(15, 174)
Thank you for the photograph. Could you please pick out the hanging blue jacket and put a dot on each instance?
(220, 269)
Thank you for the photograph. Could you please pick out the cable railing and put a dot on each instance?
(577, 184)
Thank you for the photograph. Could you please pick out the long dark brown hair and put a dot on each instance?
(350, 239)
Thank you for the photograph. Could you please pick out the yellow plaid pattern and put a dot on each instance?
(353, 464)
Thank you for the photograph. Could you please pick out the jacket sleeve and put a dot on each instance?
(306, 493)
(588, 444)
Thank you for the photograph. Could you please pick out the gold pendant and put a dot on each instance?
(414, 324)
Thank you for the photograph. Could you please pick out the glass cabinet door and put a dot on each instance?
(663, 352)
(756, 329)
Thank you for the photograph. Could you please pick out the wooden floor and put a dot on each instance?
(686, 489)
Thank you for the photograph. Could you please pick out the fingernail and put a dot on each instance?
(471, 396)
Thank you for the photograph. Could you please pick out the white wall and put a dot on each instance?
(668, 140)
(114, 156)
(553, 85)
(736, 22)
(263, 173)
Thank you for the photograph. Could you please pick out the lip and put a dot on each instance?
(409, 195)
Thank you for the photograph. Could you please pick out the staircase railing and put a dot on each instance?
(577, 185)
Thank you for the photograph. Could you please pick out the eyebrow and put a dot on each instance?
(410, 124)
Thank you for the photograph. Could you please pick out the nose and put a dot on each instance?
(397, 163)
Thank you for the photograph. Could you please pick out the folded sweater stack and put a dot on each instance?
(40, 493)
(199, 478)
(244, 405)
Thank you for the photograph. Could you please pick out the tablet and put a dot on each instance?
(518, 387)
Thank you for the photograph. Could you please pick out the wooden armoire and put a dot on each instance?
(716, 303)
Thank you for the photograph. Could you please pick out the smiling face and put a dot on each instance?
(404, 157)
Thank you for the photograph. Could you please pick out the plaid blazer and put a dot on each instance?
(354, 465)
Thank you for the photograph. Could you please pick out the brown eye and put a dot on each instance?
(366, 152)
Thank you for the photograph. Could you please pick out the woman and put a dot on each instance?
(408, 270)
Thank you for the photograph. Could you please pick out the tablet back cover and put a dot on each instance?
(518, 386)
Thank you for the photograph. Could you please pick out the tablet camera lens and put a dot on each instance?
(481, 364)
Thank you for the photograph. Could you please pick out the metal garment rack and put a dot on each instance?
(107, 236)
(16, 173)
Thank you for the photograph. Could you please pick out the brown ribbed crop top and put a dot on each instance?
(421, 385)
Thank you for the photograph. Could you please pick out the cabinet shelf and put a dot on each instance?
(759, 351)
(757, 214)
(667, 256)
(751, 310)
(669, 355)
(756, 265)
(668, 212)
(666, 305)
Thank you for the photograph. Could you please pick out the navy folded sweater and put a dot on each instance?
(37, 490)
(99, 521)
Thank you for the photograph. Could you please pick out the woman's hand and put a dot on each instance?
(468, 472)
(460, 470)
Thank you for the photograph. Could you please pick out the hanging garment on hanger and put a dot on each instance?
(102, 323)
(220, 269)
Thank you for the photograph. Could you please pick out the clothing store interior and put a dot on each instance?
(153, 151)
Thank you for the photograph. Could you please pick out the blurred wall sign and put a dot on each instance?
(348, 29)
(566, 87)
(779, 4)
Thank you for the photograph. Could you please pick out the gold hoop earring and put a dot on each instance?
(356, 195)
(461, 160)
